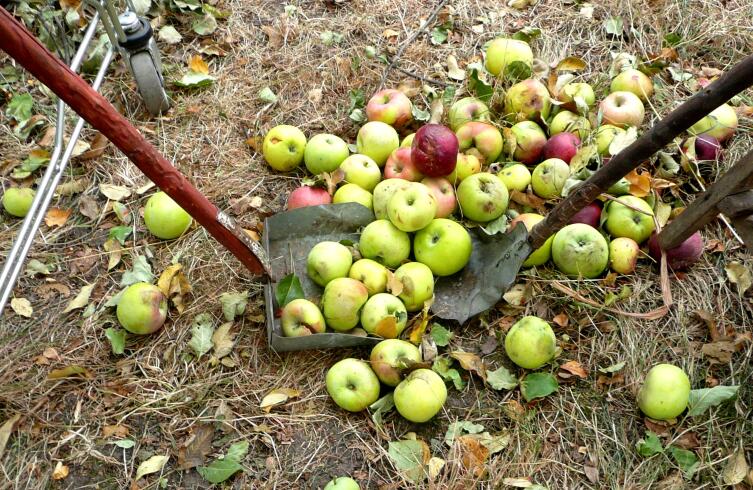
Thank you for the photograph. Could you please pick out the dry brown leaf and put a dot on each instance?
(394, 285)
(197, 64)
(410, 87)
(72, 187)
(6, 430)
(194, 451)
(736, 469)
(60, 472)
(513, 409)
(69, 372)
(88, 207)
(575, 368)
(274, 36)
(118, 430)
(592, 473)
(97, 147)
(562, 319)
(571, 63)
(714, 246)
(278, 397)
(417, 326)
(658, 427)
(315, 96)
(740, 275)
(48, 137)
(223, 340)
(688, 440)
(604, 380)
(640, 183)
(473, 455)
(390, 34)
(710, 322)
(528, 199)
(719, 352)
(470, 362)
(115, 252)
(57, 217)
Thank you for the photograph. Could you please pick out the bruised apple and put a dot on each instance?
(435, 150)
(527, 101)
(418, 284)
(383, 192)
(481, 140)
(371, 273)
(382, 242)
(300, 318)
(384, 315)
(623, 255)
(412, 207)
(516, 177)
(390, 357)
(482, 197)
(390, 106)
(400, 166)
(142, 308)
(529, 142)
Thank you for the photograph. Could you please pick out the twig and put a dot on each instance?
(408, 42)
(423, 78)
(649, 315)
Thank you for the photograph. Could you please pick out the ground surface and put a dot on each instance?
(162, 398)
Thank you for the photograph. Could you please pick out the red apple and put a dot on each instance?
(444, 193)
(706, 147)
(529, 142)
(563, 146)
(400, 166)
(435, 150)
(390, 106)
(682, 256)
(589, 215)
(308, 196)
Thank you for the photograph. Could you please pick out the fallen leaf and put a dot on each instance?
(592, 473)
(640, 183)
(60, 472)
(574, 368)
(538, 385)
(394, 285)
(114, 192)
(220, 470)
(720, 351)
(114, 430)
(169, 35)
(502, 379)
(57, 217)
(470, 362)
(418, 324)
(390, 33)
(199, 444)
(736, 469)
(714, 246)
(688, 440)
(88, 207)
(70, 371)
(73, 187)
(234, 304)
(517, 482)
(223, 340)
(6, 430)
(528, 199)
(702, 399)
(277, 397)
(201, 334)
(739, 275)
(435, 466)
(562, 319)
(274, 36)
(517, 295)
(617, 379)
(81, 299)
(22, 307)
(151, 465)
(453, 70)
(410, 457)
(571, 63)
(473, 455)
(114, 251)
(197, 64)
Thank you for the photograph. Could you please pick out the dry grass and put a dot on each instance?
(161, 395)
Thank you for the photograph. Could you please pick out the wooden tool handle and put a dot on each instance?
(701, 104)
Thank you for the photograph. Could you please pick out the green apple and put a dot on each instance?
(465, 166)
(527, 101)
(619, 188)
(632, 80)
(481, 140)
(509, 58)
(142, 308)
(362, 171)
(17, 201)
(721, 123)
(301, 317)
(574, 90)
(372, 274)
(530, 343)
(665, 392)
(383, 192)
(324, 153)
(342, 301)
(466, 110)
(529, 142)
(570, 122)
(389, 358)
(420, 396)
(377, 140)
(444, 245)
(418, 285)
(407, 141)
(604, 136)
(412, 207)
(283, 147)
(623, 221)
(622, 109)
(164, 218)
(342, 483)
(579, 250)
(623, 254)
(354, 193)
(516, 177)
(384, 315)
(327, 261)
(352, 384)
(549, 177)
(384, 243)
(541, 255)
(482, 197)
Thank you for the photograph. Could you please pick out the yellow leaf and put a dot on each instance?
(394, 285)
(57, 217)
(81, 299)
(70, 371)
(738, 274)
(736, 469)
(6, 430)
(22, 306)
(223, 340)
(473, 455)
(166, 278)
(151, 465)
(420, 323)
(517, 295)
(114, 192)
(571, 63)
(640, 183)
(60, 472)
(517, 482)
(115, 251)
(388, 33)
(277, 397)
(470, 362)
(174, 284)
(198, 65)
(435, 466)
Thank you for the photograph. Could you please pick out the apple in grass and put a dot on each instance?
(435, 150)
(604, 136)
(529, 142)
(301, 317)
(466, 110)
(635, 81)
(516, 177)
(352, 384)
(390, 106)
(390, 357)
(579, 250)
(705, 147)
(400, 166)
(549, 177)
(142, 308)
(589, 214)
(530, 343)
(327, 261)
(342, 483)
(164, 218)
(383, 192)
(444, 193)
(566, 121)
(407, 141)
(481, 140)
(527, 101)
(420, 396)
(444, 246)
(418, 284)
(465, 166)
(573, 90)
(382, 242)
(509, 58)
(325, 153)
(563, 146)
(342, 301)
(624, 221)
(623, 255)
(682, 256)
(622, 109)
(482, 197)
(283, 147)
(721, 123)
(384, 315)
(371, 273)
(664, 393)
(377, 140)
(362, 171)
(541, 255)
(17, 201)
(412, 207)
(308, 196)
(353, 193)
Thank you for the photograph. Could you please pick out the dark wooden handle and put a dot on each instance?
(22, 46)
(701, 104)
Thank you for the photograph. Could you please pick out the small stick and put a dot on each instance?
(423, 78)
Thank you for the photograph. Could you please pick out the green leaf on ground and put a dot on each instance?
(125, 443)
(204, 25)
(613, 368)
(151, 465)
(201, 334)
(380, 407)
(477, 85)
(19, 107)
(527, 34)
(538, 385)
(357, 100)
(266, 95)
(194, 79)
(220, 470)
(288, 289)
(36, 159)
(686, 460)
(141, 7)
(441, 335)
(497, 225)
(117, 338)
(120, 233)
(442, 366)
(233, 304)
(169, 35)
(459, 428)
(329, 38)
(501, 379)
(649, 445)
(420, 114)
(703, 399)
(613, 26)
(141, 272)
(408, 457)
(439, 35)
